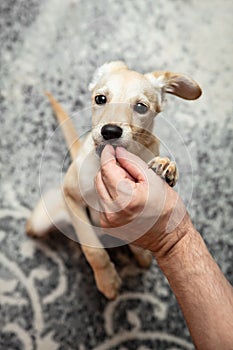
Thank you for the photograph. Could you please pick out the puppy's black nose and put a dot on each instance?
(111, 131)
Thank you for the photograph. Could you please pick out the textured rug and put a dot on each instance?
(48, 298)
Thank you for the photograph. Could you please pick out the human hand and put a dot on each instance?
(137, 203)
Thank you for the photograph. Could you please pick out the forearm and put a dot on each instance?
(205, 296)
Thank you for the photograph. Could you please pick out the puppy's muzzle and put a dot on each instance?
(111, 131)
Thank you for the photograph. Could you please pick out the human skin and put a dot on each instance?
(126, 186)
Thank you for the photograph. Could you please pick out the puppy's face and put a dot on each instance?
(125, 102)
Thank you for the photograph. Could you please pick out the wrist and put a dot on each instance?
(173, 244)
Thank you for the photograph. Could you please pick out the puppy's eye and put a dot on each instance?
(140, 108)
(100, 99)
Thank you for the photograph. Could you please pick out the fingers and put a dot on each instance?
(112, 174)
(101, 188)
(131, 168)
(107, 204)
(135, 166)
(108, 155)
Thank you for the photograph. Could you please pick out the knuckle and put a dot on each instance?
(105, 167)
(104, 221)
(111, 217)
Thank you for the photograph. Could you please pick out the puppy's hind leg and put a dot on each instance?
(50, 213)
(142, 256)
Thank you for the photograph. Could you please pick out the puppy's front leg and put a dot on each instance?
(106, 276)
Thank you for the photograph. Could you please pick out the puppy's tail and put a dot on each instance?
(67, 126)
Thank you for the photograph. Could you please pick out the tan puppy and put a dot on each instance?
(124, 106)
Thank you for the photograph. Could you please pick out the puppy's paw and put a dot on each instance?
(108, 281)
(142, 256)
(29, 229)
(165, 168)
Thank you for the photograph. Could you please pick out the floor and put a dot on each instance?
(48, 298)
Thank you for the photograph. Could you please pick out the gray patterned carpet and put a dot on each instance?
(48, 299)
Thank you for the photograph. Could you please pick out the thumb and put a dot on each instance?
(134, 165)
(108, 155)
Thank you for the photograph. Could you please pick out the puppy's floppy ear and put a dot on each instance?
(177, 84)
(106, 68)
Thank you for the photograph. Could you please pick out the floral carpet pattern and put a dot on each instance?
(48, 297)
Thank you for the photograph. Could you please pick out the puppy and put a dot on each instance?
(124, 105)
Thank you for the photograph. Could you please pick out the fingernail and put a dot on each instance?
(108, 148)
(121, 149)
